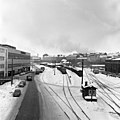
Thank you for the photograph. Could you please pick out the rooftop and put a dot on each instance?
(5, 45)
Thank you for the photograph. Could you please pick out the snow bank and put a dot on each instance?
(9, 105)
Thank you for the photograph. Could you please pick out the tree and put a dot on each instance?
(45, 55)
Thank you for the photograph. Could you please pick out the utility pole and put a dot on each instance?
(82, 58)
(55, 67)
(82, 70)
(12, 72)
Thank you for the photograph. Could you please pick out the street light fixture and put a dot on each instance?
(54, 66)
(82, 58)
(12, 72)
(12, 69)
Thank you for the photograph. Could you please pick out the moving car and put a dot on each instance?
(23, 73)
(96, 71)
(29, 78)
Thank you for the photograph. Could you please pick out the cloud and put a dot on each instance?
(111, 43)
(59, 25)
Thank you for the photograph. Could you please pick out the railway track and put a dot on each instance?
(67, 98)
(67, 78)
(103, 91)
(63, 101)
(114, 85)
(105, 87)
(68, 103)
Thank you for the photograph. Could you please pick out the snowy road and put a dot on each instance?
(48, 106)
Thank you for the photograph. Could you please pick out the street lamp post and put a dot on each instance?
(82, 58)
(82, 71)
(12, 72)
(54, 67)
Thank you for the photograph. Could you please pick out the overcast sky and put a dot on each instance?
(61, 26)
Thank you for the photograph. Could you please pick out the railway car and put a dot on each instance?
(62, 70)
(89, 93)
(76, 70)
(38, 71)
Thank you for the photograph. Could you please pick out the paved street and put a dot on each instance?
(29, 109)
(38, 104)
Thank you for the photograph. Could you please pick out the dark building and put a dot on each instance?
(112, 65)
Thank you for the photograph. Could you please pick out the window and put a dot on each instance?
(1, 58)
(1, 65)
(2, 50)
(18, 56)
(92, 92)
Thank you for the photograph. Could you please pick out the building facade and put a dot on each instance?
(3, 61)
(112, 65)
(13, 60)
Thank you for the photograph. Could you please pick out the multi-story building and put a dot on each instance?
(3, 61)
(52, 59)
(112, 65)
(35, 59)
(14, 60)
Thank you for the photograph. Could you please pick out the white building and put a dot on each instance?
(14, 60)
(3, 62)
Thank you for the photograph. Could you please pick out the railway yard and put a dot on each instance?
(64, 89)
(61, 97)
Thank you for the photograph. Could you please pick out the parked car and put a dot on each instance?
(22, 73)
(17, 93)
(22, 84)
(113, 75)
(29, 78)
(96, 71)
(37, 72)
(102, 70)
(118, 75)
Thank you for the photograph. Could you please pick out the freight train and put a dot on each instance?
(62, 70)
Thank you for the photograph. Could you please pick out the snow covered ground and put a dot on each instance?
(66, 91)
(9, 105)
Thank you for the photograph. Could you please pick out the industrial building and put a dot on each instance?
(112, 65)
(14, 60)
